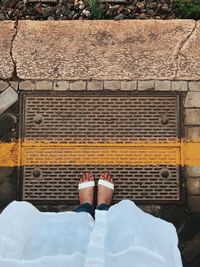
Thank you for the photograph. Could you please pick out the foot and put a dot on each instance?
(104, 193)
(86, 194)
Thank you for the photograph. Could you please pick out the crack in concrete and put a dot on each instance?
(14, 74)
(182, 43)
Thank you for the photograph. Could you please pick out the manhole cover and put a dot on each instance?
(135, 137)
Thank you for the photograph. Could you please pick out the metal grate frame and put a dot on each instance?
(120, 113)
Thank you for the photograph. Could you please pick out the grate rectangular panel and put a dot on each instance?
(100, 119)
(60, 121)
(59, 181)
(128, 179)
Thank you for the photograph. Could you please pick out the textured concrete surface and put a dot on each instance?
(3, 85)
(95, 85)
(179, 85)
(189, 58)
(194, 86)
(7, 98)
(146, 85)
(112, 50)
(7, 32)
(79, 50)
(192, 100)
(192, 116)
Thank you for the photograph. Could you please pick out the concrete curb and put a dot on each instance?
(100, 50)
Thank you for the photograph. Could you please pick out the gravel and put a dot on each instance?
(73, 9)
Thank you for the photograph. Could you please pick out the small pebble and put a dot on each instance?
(86, 12)
(119, 17)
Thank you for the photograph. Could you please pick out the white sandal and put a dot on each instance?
(106, 184)
(86, 184)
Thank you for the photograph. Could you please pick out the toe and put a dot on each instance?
(102, 175)
(87, 176)
(106, 175)
(84, 177)
(91, 177)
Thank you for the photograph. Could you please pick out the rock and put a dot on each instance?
(151, 5)
(51, 18)
(86, 12)
(70, 6)
(81, 7)
(5, 3)
(115, 6)
(2, 16)
(63, 10)
(142, 16)
(39, 8)
(75, 16)
(150, 12)
(121, 8)
(69, 15)
(173, 16)
(58, 9)
(140, 5)
(47, 12)
(126, 12)
(119, 17)
(80, 3)
(132, 8)
(13, 3)
(165, 7)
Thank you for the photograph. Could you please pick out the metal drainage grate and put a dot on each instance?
(133, 136)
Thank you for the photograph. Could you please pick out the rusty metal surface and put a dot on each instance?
(139, 183)
(105, 118)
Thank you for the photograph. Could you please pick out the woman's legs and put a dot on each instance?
(86, 195)
(104, 193)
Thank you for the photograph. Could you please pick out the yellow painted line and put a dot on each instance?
(137, 144)
(149, 143)
(192, 154)
(100, 155)
(9, 154)
(182, 152)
